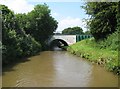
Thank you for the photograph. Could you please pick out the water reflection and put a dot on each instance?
(103, 77)
(71, 71)
(58, 69)
(57, 49)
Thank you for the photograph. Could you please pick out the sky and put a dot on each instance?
(67, 13)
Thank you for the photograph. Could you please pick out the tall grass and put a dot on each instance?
(103, 52)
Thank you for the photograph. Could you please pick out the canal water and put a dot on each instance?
(57, 69)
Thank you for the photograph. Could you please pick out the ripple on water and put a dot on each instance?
(58, 69)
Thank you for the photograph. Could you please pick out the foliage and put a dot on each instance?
(8, 35)
(38, 23)
(15, 42)
(111, 42)
(118, 29)
(0, 52)
(23, 34)
(118, 17)
(22, 20)
(41, 23)
(28, 45)
(103, 19)
(72, 31)
(87, 32)
(11, 48)
(102, 52)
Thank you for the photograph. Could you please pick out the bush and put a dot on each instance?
(29, 46)
(12, 50)
(111, 42)
(19, 46)
(16, 43)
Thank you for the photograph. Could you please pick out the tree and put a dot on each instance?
(20, 32)
(87, 32)
(14, 44)
(72, 31)
(22, 20)
(103, 19)
(118, 17)
(41, 23)
(9, 41)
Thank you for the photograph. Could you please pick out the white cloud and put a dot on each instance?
(70, 22)
(22, 6)
(18, 6)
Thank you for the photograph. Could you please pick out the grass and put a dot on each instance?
(98, 52)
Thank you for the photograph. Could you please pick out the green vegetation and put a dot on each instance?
(38, 23)
(104, 25)
(24, 35)
(41, 24)
(102, 52)
(87, 32)
(72, 31)
(103, 19)
(65, 47)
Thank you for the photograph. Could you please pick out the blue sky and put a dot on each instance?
(68, 14)
(67, 9)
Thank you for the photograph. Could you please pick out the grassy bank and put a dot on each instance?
(103, 53)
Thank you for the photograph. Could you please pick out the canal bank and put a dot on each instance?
(57, 69)
(95, 53)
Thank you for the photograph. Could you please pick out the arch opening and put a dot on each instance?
(58, 44)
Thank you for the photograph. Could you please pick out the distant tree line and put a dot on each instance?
(24, 35)
(75, 31)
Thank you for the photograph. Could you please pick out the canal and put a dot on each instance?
(57, 69)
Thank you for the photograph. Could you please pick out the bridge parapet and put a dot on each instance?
(69, 39)
(82, 37)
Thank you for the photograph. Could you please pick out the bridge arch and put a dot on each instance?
(65, 40)
(58, 43)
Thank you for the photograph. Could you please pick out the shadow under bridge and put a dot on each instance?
(58, 43)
